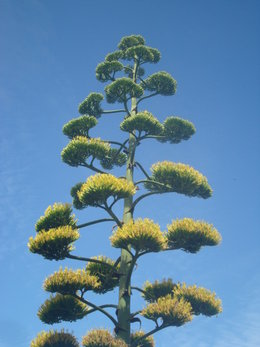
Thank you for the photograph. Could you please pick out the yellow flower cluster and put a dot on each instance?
(98, 188)
(56, 216)
(153, 291)
(142, 235)
(191, 235)
(55, 243)
(106, 274)
(142, 122)
(80, 148)
(101, 338)
(62, 308)
(172, 311)
(147, 342)
(202, 300)
(68, 281)
(54, 338)
(179, 178)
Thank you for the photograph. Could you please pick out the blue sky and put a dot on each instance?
(49, 51)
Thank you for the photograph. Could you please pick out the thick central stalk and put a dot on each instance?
(126, 258)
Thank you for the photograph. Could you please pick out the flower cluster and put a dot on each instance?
(91, 105)
(154, 291)
(176, 129)
(101, 338)
(142, 235)
(106, 273)
(79, 126)
(171, 310)
(55, 243)
(62, 308)
(56, 216)
(144, 122)
(100, 187)
(191, 235)
(68, 281)
(54, 338)
(160, 83)
(145, 342)
(179, 178)
(122, 90)
(202, 300)
(80, 148)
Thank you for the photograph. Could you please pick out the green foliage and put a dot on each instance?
(176, 129)
(161, 83)
(56, 216)
(68, 281)
(131, 41)
(101, 338)
(179, 178)
(146, 342)
(74, 193)
(61, 308)
(122, 90)
(142, 235)
(100, 187)
(156, 290)
(128, 69)
(113, 158)
(91, 105)
(106, 71)
(54, 338)
(114, 56)
(143, 122)
(142, 54)
(54, 244)
(191, 235)
(171, 310)
(79, 126)
(107, 275)
(81, 148)
(202, 300)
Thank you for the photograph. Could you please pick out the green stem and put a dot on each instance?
(146, 97)
(95, 222)
(124, 303)
(143, 170)
(98, 308)
(112, 111)
(91, 260)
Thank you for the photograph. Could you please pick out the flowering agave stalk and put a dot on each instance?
(167, 303)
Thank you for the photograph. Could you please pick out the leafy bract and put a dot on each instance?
(202, 300)
(179, 178)
(54, 244)
(142, 235)
(91, 105)
(62, 308)
(68, 281)
(54, 338)
(56, 216)
(191, 235)
(79, 126)
(99, 188)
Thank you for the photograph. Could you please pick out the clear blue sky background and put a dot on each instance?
(49, 51)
